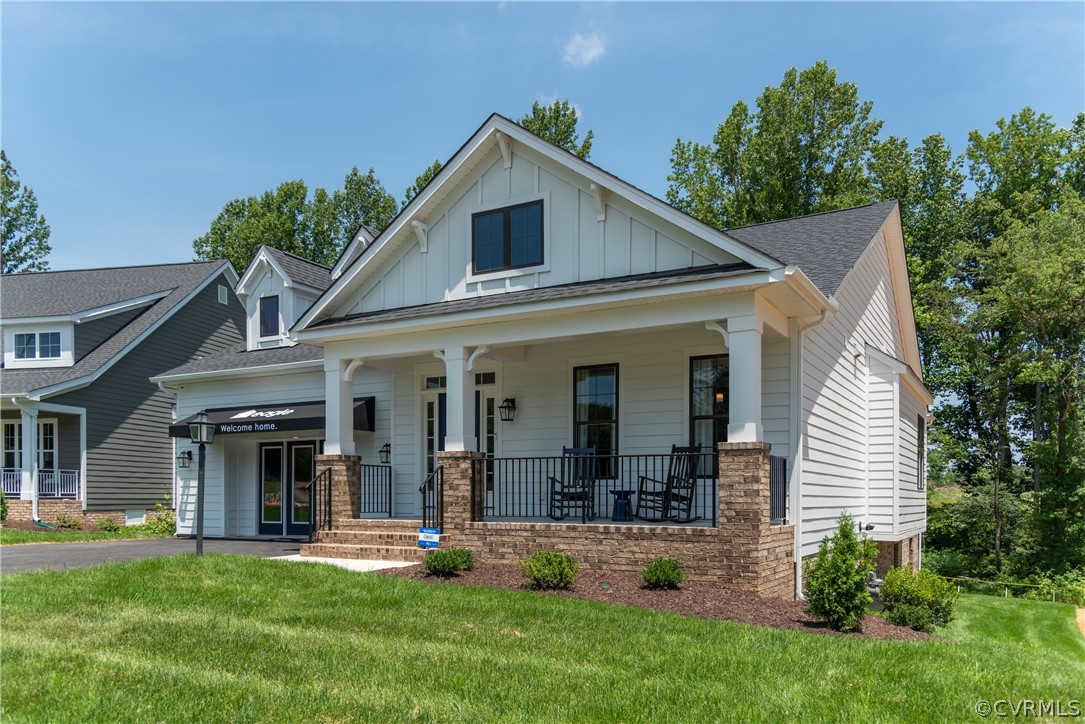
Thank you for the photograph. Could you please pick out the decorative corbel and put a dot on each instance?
(715, 327)
(506, 150)
(422, 232)
(479, 351)
(599, 194)
(348, 373)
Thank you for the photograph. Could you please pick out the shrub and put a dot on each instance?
(449, 562)
(164, 521)
(920, 600)
(550, 569)
(109, 525)
(3, 507)
(67, 523)
(836, 580)
(663, 573)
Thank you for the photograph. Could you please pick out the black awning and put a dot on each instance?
(276, 418)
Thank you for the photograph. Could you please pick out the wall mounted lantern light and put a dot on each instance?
(385, 453)
(508, 409)
(184, 460)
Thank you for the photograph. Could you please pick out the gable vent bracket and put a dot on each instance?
(599, 194)
(422, 232)
(506, 148)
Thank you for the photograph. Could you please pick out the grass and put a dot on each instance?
(10, 537)
(227, 638)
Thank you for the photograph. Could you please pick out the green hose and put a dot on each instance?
(43, 524)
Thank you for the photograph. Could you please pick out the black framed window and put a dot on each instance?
(595, 413)
(508, 238)
(269, 316)
(709, 398)
(921, 452)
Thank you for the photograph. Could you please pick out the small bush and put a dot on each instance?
(449, 562)
(3, 507)
(920, 600)
(164, 520)
(109, 525)
(836, 580)
(67, 523)
(663, 573)
(550, 569)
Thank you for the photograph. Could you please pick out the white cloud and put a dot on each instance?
(585, 49)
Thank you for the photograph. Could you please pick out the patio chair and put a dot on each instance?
(575, 489)
(673, 497)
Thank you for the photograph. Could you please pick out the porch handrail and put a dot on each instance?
(58, 483)
(375, 486)
(433, 485)
(12, 482)
(777, 490)
(320, 503)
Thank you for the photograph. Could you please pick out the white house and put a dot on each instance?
(525, 283)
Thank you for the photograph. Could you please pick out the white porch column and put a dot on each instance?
(339, 408)
(744, 346)
(460, 400)
(29, 470)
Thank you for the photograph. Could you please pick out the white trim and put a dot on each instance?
(118, 307)
(244, 372)
(897, 536)
(80, 382)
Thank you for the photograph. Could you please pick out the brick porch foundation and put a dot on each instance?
(50, 508)
(902, 553)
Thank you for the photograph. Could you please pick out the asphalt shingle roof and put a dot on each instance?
(238, 358)
(825, 246)
(302, 270)
(62, 293)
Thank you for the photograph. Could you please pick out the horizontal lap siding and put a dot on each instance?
(881, 441)
(913, 501)
(835, 395)
(129, 452)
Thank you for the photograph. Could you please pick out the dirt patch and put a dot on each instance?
(29, 525)
(694, 598)
(1081, 620)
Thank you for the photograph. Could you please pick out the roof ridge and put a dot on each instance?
(113, 268)
(809, 216)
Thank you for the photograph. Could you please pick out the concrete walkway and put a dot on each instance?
(59, 556)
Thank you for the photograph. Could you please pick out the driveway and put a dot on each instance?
(58, 556)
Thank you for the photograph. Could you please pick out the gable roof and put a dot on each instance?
(302, 270)
(238, 358)
(38, 294)
(825, 246)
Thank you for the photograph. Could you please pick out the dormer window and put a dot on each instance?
(269, 316)
(508, 238)
(39, 345)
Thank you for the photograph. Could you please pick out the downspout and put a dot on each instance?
(173, 485)
(798, 439)
(32, 452)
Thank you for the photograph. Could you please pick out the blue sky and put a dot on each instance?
(135, 123)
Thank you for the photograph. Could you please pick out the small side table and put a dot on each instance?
(622, 512)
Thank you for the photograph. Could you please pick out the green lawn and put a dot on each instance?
(226, 638)
(9, 537)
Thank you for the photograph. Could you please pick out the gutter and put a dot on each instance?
(27, 408)
(798, 435)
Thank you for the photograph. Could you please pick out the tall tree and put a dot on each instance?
(803, 150)
(363, 200)
(25, 243)
(557, 123)
(420, 183)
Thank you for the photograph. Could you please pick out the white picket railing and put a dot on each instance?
(12, 482)
(58, 483)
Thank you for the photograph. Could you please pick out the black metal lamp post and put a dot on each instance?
(507, 409)
(202, 432)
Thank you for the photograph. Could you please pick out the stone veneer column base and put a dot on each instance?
(346, 484)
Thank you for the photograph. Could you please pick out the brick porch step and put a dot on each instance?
(363, 552)
(368, 539)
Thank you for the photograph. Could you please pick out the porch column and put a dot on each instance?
(29, 463)
(460, 400)
(339, 410)
(744, 356)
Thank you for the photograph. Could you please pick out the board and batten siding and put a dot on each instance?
(129, 451)
(577, 247)
(835, 394)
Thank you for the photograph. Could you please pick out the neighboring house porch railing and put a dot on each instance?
(13, 482)
(597, 489)
(58, 483)
(376, 490)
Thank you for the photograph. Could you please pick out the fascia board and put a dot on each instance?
(110, 309)
(631, 297)
(240, 372)
(81, 382)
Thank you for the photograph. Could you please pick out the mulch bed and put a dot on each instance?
(28, 525)
(693, 598)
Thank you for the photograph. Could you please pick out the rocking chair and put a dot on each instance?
(575, 489)
(673, 497)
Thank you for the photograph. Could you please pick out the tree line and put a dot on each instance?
(995, 241)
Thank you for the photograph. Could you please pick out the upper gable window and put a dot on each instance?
(269, 316)
(508, 238)
(40, 345)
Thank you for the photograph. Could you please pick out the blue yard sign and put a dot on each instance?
(429, 537)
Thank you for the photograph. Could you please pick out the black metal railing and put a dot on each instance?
(538, 488)
(777, 490)
(433, 499)
(376, 490)
(320, 503)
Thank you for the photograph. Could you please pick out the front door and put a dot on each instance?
(285, 471)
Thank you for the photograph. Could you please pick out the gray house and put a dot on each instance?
(82, 430)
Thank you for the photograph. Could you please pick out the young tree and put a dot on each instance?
(804, 150)
(25, 243)
(420, 183)
(557, 123)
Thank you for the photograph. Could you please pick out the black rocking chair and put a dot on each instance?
(672, 498)
(576, 487)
